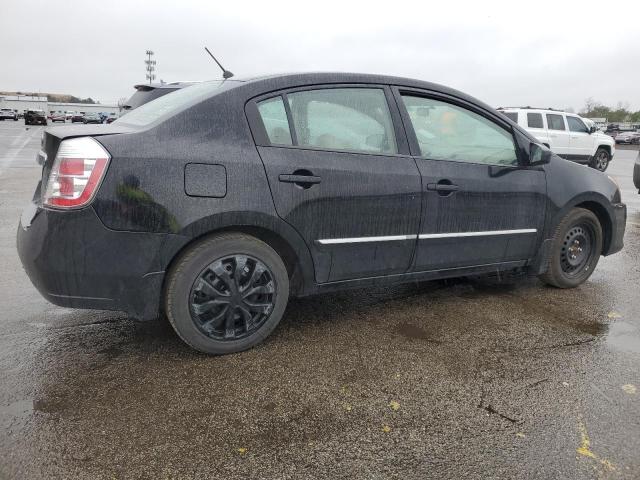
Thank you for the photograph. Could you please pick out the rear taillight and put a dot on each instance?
(76, 173)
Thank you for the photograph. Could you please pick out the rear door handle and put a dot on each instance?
(443, 187)
(304, 181)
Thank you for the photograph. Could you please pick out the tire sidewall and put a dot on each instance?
(579, 215)
(189, 267)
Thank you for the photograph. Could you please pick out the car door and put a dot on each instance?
(341, 174)
(559, 138)
(580, 139)
(481, 204)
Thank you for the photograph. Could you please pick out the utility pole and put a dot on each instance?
(151, 66)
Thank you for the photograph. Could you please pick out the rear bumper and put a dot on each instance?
(618, 223)
(75, 261)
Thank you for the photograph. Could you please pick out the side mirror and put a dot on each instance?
(538, 154)
(592, 129)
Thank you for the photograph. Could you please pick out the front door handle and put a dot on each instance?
(302, 179)
(443, 187)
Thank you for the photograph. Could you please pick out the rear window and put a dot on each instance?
(534, 120)
(170, 103)
(145, 96)
(513, 116)
(555, 122)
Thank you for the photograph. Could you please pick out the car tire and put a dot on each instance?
(601, 159)
(207, 299)
(575, 250)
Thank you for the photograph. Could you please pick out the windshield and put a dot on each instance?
(170, 103)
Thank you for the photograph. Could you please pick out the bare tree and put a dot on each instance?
(623, 106)
(590, 104)
(122, 101)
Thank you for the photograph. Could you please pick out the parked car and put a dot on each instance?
(217, 203)
(77, 117)
(91, 118)
(112, 118)
(148, 92)
(34, 117)
(636, 173)
(68, 115)
(566, 134)
(58, 117)
(628, 138)
(8, 114)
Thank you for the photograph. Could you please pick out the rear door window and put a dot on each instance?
(350, 119)
(274, 118)
(534, 120)
(513, 116)
(555, 122)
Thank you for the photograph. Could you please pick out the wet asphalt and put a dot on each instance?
(458, 379)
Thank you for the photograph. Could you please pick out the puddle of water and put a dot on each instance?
(412, 332)
(46, 405)
(624, 336)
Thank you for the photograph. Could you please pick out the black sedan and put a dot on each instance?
(35, 117)
(218, 202)
(91, 118)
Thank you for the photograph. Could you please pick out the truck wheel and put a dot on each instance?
(226, 293)
(575, 250)
(601, 159)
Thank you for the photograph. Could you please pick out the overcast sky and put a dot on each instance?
(553, 54)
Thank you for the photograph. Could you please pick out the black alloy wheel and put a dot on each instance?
(226, 293)
(232, 297)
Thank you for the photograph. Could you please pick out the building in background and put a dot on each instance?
(601, 123)
(22, 103)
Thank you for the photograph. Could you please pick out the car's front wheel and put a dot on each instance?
(575, 251)
(601, 159)
(226, 293)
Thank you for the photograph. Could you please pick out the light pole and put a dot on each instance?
(151, 66)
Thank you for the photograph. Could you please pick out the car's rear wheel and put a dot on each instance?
(226, 293)
(575, 250)
(601, 159)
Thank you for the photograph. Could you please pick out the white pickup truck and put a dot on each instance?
(567, 134)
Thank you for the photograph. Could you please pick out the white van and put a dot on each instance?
(567, 134)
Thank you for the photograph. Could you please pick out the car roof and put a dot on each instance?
(268, 83)
(286, 80)
(536, 109)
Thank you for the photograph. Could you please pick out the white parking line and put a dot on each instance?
(16, 148)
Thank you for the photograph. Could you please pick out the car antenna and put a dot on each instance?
(225, 73)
